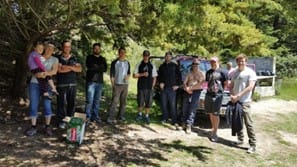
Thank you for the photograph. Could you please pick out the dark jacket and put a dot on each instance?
(169, 74)
(96, 66)
(234, 114)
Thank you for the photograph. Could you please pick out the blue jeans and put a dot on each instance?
(190, 106)
(34, 95)
(94, 91)
(168, 101)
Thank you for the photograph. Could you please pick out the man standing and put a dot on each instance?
(169, 79)
(146, 73)
(242, 84)
(66, 82)
(119, 77)
(96, 66)
(217, 80)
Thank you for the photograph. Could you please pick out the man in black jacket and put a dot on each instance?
(169, 79)
(96, 66)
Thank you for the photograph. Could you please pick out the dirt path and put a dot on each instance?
(139, 144)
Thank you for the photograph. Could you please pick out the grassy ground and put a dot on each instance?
(286, 89)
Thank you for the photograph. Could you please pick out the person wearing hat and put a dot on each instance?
(169, 77)
(217, 80)
(146, 73)
(50, 64)
(192, 87)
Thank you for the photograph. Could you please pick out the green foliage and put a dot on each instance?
(256, 96)
(286, 66)
(257, 28)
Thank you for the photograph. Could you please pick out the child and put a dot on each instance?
(36, 66)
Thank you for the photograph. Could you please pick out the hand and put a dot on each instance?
(234, 98)
(188, 90)
(162, 86)
(175, 88)
(145, 74)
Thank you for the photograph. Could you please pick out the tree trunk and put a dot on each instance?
(19, 85)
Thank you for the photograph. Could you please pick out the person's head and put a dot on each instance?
(146, 55)
(195, 64)
(96, 48)
(214, 62)
(49, 49)
(168, 56)
(122, 53)
(66, 47)
(38, 47)
(241, 60)
(229, 65)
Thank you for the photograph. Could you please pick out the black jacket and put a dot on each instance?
(96, 66)
(169, 74)
(234, 114)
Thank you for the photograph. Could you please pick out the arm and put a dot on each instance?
(38, 62)
(76, 68)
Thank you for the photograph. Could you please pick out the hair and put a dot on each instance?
(146, 53)
(241, 56)
(168, 53)
(121, 48)
(37, 43)
(65, 41)
(96, 44)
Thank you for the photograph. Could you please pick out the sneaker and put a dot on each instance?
(176, 125)
(122, 120)
(139, 117)
(31, 132)
(49, 131)
(237, 143)
(98, 120)
(214, 138)
(163, 122)
(147, 120)
(251, 150)
(62, 125)
(188, 129)
(111, 121)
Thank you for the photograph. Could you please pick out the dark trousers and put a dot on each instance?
(190, 105)
(168, 101)
(66, 96)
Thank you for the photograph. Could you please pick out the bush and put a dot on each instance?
(286, 66)
(256, 96)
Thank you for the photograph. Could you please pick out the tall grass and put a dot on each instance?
(286, 89)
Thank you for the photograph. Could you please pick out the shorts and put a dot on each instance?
(213, 103)
(145, 98)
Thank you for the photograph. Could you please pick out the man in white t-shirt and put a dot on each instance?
(242, 84)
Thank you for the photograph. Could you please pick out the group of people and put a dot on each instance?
(43, 65)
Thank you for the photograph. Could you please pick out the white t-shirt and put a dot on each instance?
(241, 80)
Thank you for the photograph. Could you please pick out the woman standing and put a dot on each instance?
(51, 66)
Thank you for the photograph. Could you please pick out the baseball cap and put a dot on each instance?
(215, 59)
